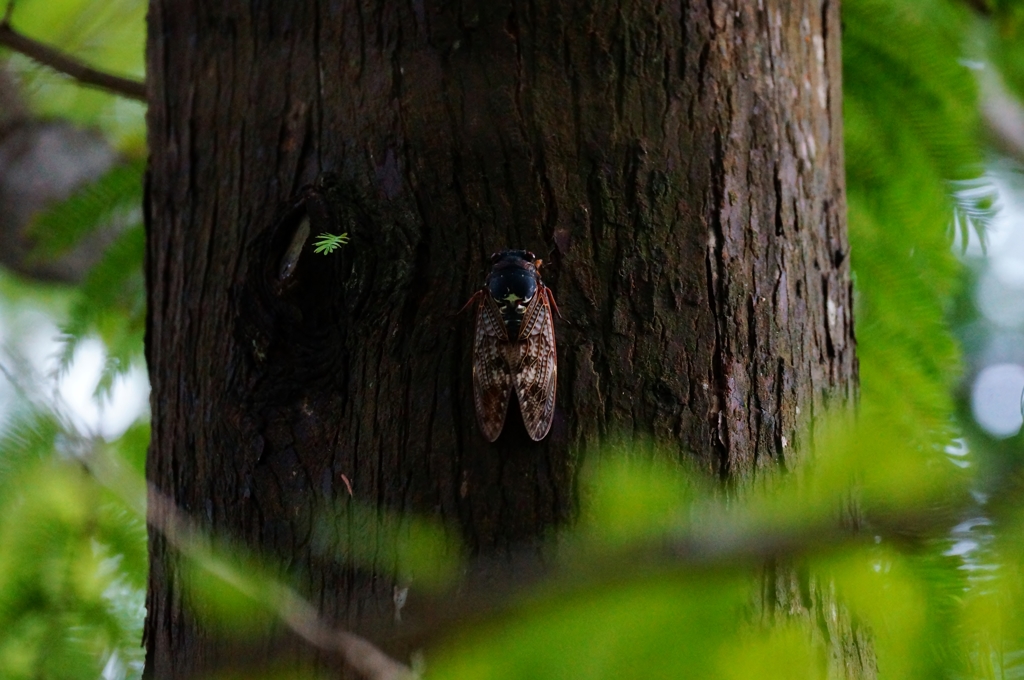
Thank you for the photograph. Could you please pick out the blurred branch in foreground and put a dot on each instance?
(58, 61)
(723, 545)
(723, 541)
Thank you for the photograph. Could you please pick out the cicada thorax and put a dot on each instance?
(514, 346)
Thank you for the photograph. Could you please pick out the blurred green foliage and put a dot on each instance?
(73, 564)
(660, 577)
(1004, 38)
(111, 303)
(113, 199)
(911, 117)
(677, 602)
(106, 34)
(406, 547)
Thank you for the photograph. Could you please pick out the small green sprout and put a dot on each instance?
(327, 243)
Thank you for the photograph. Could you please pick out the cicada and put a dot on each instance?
(514, 345)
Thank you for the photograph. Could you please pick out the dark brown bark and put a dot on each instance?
(677, 165)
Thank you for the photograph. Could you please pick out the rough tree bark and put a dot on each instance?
(678, 165)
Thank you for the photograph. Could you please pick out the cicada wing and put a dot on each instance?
(492, 377)
(536, 373)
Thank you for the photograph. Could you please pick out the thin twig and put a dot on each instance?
(58, 61)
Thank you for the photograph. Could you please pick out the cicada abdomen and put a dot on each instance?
(514, 345)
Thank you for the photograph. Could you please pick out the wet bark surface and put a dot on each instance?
(678, 167)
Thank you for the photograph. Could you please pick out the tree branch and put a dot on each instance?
(499, 589)
(58, 61)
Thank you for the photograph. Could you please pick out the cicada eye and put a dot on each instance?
(530, 257)
(495, 257)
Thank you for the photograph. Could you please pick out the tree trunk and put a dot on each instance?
(678, 166)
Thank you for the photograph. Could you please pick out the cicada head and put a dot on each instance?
(512, 284)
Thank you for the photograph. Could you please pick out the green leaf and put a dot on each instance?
(327, 243)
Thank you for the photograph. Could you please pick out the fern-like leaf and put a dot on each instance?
(911, 122)
(111, 303)
(114, 197)
(327, 243)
